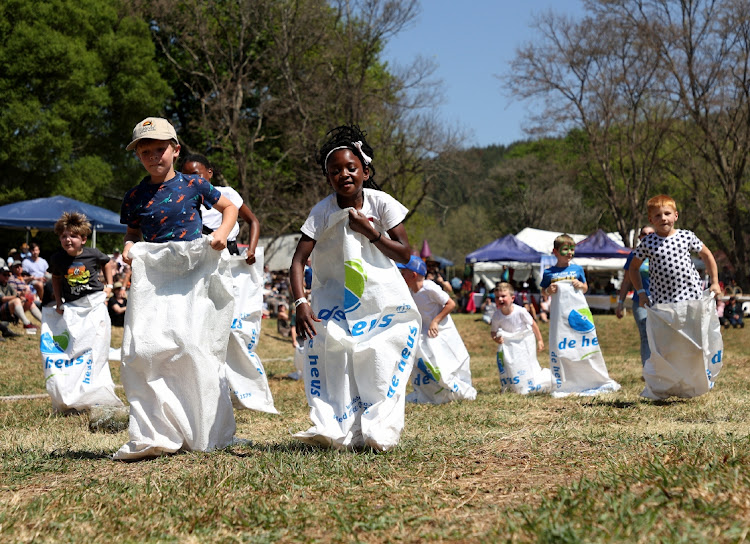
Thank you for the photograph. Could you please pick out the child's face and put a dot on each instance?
(157, 157)
(565, 254)
(503, 299)
(346, 174)
(72, 243)
(194, 167)
(663, 220)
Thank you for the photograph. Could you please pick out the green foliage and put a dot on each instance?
(75, 76)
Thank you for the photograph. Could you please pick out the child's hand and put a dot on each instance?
(250, 259)
(59, 309)
(306, 321)
(432, 332)
(552, 289)
(126, 254)
(498, 338)
(219, 241)
(716, 289)
(540, 345)
(577, 285)
(359, 223)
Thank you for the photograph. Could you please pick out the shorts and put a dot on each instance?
(6, 314)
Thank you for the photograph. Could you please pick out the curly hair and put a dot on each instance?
(345, 136)
(76, 222)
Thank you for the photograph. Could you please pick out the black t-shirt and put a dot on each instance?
(80, 274)
(118, 320)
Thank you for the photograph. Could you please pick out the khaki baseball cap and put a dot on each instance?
(153, 128)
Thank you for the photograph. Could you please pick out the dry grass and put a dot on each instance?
(616, 468)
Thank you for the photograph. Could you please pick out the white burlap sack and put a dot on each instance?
(244, 369)
(576, 360)
(357, 367)
(175, 341)
(518, 365)
(442, 373)
(75, 353)
(686, 349)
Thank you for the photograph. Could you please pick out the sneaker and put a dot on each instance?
(30, 328)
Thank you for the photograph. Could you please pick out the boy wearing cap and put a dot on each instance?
(165, 206)
(442, 372)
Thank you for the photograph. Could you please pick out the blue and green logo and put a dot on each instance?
(581, 320)
(354, 282)
(54, 344)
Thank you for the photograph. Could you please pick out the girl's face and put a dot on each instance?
(194, 167)
(663, 220)
(346, 175)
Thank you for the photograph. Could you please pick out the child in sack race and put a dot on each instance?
(512, 328)
(684, 333)
(77, 330)
(181, 281)
(576, 361)
(442, 373)
(361, 327)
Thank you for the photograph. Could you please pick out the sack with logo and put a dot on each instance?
(244, 369)
(686, 348)
(442, 373)
(576, 360)
(357, 366)
(174, 345)
(519, 368)
(75, 353)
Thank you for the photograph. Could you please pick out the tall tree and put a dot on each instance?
(75, 76)
(597, 76)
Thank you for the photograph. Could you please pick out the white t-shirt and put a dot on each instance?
(384, 211)
(672, 276)
(430, 301)
(212, 217)
(519, 319)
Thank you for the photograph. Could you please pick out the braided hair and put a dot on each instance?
(352, 138)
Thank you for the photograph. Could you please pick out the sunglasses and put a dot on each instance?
(567, 250)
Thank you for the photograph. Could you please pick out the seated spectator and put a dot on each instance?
(733, 314)
(544, 309)
(283, 324)
(117, 304)
(11, 306)
(12, 257)
(25, 252)
(27, 297)
(36, 267)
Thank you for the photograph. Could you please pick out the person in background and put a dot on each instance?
(638, 309)
(29, 298)
(36, 267)
(733, 314)
(11, 304)
(117, 304)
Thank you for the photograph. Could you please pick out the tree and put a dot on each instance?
(261, 81)
(598, 76)
(75, 76)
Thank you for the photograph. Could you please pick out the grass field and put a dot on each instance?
(503, 468)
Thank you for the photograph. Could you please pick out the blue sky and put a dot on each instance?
(472, 42)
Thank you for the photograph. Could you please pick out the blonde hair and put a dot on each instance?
(505, 286)
(562, 240)
(660, 201)
(76, 222)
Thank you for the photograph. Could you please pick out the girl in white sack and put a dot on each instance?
(360, 326)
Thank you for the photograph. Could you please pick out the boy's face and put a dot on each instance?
(157, 157)
(565, 254)
(663, 220)
(503, 299)
(72, 243)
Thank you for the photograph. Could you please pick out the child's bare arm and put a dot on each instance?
(305, 321)
(713, 270)
(57, 290)
(249, 217)
(228, 219)
(447, 309)
(538, 335)
(109, 273)
(582, 286)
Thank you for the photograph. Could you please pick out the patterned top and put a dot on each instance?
(168, 211)
(672, 274)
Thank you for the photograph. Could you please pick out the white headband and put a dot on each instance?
(358, 145)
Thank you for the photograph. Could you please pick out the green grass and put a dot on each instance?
(504, 468)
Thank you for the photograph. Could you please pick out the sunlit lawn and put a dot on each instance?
(616, 468)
